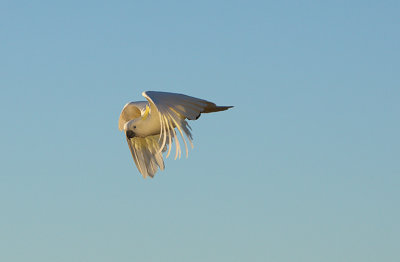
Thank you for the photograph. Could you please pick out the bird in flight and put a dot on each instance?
(151, 126)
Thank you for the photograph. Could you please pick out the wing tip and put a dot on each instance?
(214, 108)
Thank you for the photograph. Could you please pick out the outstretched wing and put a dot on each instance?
(146, 154)
(173, 109)
(131, 111)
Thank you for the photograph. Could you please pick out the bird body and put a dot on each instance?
(151, 126)
(145, 126)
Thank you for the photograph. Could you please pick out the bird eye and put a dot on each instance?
(134, 126)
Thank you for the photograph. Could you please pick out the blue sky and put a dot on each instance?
(304, 168)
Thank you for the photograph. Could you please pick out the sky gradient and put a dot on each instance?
(305, 167)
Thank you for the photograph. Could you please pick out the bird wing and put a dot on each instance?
(173, 109)
(146, 154)
(131, 111)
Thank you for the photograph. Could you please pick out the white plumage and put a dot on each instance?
(151, 126)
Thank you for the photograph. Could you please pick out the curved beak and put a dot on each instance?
(130, 134)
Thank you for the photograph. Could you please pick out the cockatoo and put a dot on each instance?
(151, 126)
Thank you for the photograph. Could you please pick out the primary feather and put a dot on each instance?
(150, 126)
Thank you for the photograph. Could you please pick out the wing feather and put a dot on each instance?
(173, 110)
(169, 128)
(145, 153)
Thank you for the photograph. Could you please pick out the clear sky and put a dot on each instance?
(305, 167)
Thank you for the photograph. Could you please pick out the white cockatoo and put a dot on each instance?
(151, 126)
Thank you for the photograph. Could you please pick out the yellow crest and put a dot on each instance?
(146, 113)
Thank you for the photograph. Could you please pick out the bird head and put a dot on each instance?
(134, 128)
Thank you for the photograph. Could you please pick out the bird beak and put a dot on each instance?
(130, 134)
